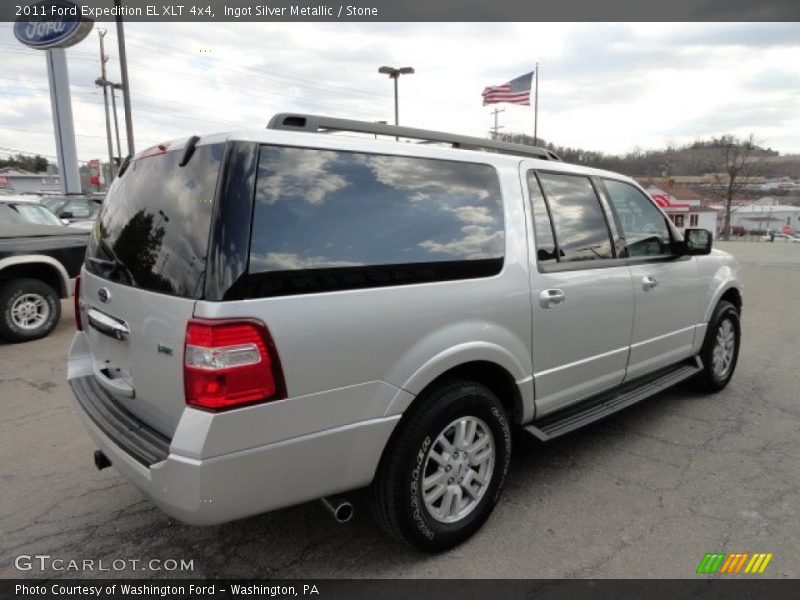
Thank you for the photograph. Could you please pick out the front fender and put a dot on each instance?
(724, 279)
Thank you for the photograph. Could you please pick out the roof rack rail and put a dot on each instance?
(317, 124)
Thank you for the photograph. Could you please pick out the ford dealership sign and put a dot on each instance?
(52, 24)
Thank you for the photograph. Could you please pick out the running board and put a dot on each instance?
(599, 407)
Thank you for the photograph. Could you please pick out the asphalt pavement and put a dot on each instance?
(646, 493)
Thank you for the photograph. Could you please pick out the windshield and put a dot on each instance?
(53, 203)
(152, 232)
(17, 214)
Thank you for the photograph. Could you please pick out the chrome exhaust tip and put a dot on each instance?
(341, 508)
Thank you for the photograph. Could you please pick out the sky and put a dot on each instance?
(609, 87)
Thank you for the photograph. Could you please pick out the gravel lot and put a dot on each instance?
(644, 494)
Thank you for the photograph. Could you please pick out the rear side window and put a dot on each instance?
(644, 227)
(580, 226)
(152, 232)
(542, 226)
(326, 220)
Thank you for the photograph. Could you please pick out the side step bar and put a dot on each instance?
(599, 407)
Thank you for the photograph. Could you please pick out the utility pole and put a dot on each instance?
(126, 88)
(103, 61)
(496, 129)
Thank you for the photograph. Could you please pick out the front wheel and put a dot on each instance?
(720, 350)
(30, 310)
(444, 470)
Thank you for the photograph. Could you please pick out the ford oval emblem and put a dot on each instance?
(104, 295)
(51, 24)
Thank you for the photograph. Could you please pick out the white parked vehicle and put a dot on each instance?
(780, 237)
(275, 316)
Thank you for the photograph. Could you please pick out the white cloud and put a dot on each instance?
(286, 261)
(300, 174)
(478, 242)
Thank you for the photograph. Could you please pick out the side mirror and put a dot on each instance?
(65, 214)
(697, 241)
(64, 222)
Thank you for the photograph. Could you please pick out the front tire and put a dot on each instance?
(30, 310)
(720, 351)
(444, 469)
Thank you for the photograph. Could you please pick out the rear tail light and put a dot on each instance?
(229, 364)
(76, 303)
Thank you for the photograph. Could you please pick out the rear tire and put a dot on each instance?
(30, 310)
(720, 351)
(443, 471)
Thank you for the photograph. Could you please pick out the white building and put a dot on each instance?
(24, 182)
(767, 214)
(683, 206)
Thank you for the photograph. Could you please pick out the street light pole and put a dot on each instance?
(116, 86)
(395, 73)
(126, 86)
(396, 103)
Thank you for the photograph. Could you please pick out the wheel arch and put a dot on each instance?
(730, 291)
(484, 363)
(35, 266)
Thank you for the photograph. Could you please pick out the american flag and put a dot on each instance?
(516, 91)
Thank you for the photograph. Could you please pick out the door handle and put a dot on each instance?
(649, 283)
(551, 298)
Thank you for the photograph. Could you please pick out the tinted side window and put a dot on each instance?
(542, 226)
(327, 220)
(580, 226)
(644, 227)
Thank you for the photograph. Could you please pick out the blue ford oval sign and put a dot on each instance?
(52, 24)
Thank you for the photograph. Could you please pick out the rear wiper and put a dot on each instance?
(115, 263)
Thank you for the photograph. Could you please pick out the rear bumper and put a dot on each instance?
(233, 485)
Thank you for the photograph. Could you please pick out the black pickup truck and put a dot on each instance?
(38, 264)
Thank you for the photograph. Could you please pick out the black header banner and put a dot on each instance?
(231, 11)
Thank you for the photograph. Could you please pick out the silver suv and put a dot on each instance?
(281, 315)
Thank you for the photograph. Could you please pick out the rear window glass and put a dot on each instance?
(152, 232)
(339, 211)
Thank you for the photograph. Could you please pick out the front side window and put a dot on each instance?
(581, 231)
(326, 220)
(644, 227)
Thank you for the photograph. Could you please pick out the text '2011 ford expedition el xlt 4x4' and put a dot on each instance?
(276, 316)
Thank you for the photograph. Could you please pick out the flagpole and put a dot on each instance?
(536, 109)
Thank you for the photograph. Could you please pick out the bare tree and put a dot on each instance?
(733, 164)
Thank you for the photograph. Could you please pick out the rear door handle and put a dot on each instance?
(649, 283)
(551, 298)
